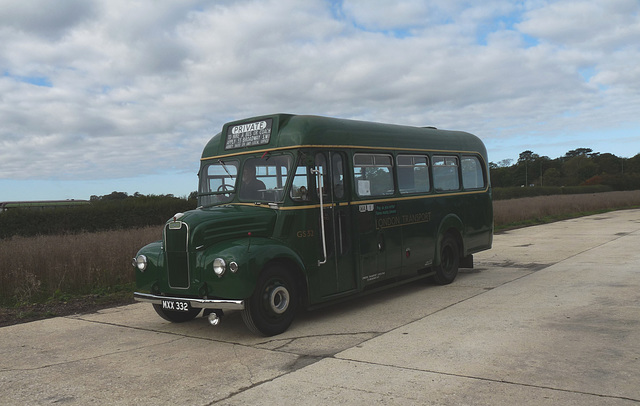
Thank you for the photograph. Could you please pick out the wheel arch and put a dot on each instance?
(450, 225)
(269, 253)
(296, 270)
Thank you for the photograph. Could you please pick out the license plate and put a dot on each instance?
(175, 305)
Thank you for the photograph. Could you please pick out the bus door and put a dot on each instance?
(377, 217)
(338, 271)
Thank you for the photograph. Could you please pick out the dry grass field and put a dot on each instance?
(35, 269)
(542, 209)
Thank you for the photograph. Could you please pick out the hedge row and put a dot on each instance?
(101, 215)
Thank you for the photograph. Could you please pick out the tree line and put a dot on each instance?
(114, 211)
(578, 167)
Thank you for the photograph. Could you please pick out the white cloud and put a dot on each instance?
(119, 88)
(45, 19)
(604, 25)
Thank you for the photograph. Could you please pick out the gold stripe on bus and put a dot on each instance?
(257, 151)
(276, 207)
(359, 202)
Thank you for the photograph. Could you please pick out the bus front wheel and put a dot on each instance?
(274, 303)
(447, 271)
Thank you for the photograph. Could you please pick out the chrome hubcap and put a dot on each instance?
(279, 300)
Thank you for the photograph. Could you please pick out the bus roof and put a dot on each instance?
(284, 131)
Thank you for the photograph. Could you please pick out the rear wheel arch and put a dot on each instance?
(446, 270)
(450, 225)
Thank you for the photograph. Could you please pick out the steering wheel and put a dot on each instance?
(226, 188)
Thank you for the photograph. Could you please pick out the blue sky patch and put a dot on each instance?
(32, 80)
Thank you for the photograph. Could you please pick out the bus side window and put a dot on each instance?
(373, 174)
(472, 176)
(445, 173)
(300, 186)
(413, 174)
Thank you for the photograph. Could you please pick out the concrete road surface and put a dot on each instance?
(549, 316)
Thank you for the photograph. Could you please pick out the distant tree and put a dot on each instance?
(115, 196)
(505, 163)
(524, 162)
(552, 177)
(578, 169)
(501, 176)
(632, 165)
(527, 156)
(609, 164)
(578, 152)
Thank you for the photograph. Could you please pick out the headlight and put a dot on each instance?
(140, 262)
(219, 266)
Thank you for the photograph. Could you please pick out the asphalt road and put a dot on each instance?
(549, 316)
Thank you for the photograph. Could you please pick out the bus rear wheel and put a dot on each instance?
(274, 303)
(446, 272)
(176, 317)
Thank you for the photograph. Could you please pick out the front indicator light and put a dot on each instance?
(233, 266)
(219, 266)
(140, 262)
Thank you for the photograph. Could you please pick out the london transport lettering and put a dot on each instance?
(387, 216)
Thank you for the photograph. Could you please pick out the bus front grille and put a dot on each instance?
(176, 236)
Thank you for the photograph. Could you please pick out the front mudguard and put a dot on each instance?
(251, 256)
(155, 263)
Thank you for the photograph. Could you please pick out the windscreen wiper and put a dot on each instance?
(225, 168)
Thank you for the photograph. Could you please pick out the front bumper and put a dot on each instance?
(195, 303)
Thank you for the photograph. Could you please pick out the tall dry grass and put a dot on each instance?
(36, 268)
(536, 209)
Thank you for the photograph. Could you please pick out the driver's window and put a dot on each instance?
(221, 177)
(217, 182)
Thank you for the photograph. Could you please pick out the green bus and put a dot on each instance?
(302, 211)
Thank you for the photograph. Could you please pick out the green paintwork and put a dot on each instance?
(294, 130)
(370, 240)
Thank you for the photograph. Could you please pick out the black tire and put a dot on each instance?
(447, 271)
(176, 317)
(274, 303)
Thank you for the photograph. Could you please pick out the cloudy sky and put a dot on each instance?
(122, 95)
